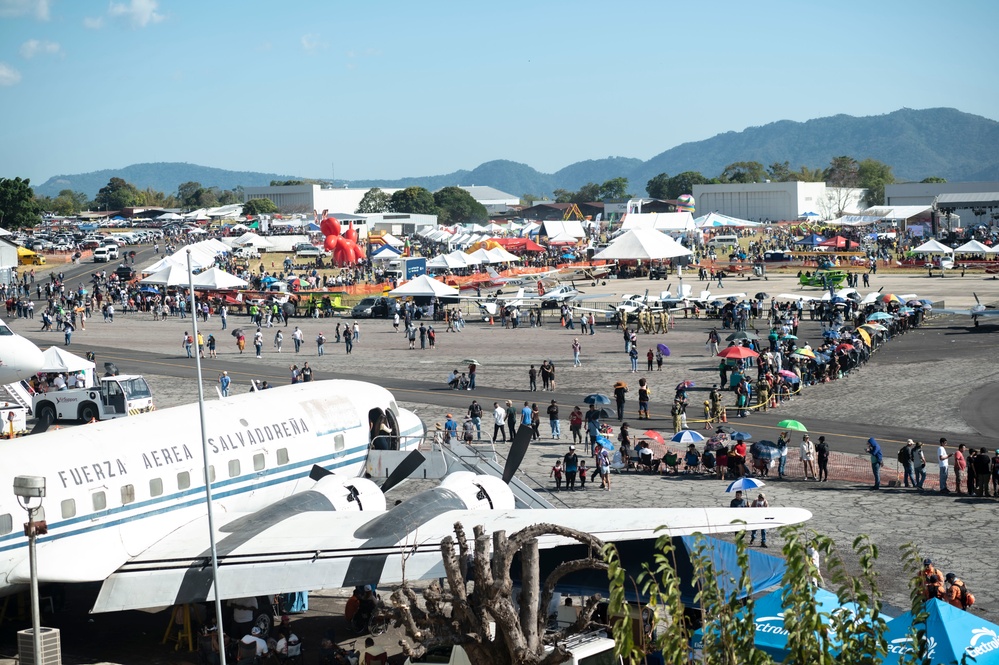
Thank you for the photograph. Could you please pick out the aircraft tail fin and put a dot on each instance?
(492, 272)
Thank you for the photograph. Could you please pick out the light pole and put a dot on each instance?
(27, 488)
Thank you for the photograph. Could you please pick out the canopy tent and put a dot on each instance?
(172, 275)
(57, 360)
(239, 227)
(500, 255)
(568, 228)
(853, 220)
(217, 279)
(390, 239)
(644, 244)
(446, 261)
(468, 259)
(839, 242)
(493, 227)
(716, 219)
(386, 253)
(562, 239)
(770, 635)
(975, 247)
(424, 286)
(481, 255)
(951, 634)
(811, 240)
(169, 217)
(932, 246)
(659, 221)
(529, 229)
(522, 244)
(173, 260)
(765, 570)
(250, 239)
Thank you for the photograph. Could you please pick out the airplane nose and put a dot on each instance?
(25, 361)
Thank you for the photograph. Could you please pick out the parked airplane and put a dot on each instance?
(20, 359)
(496, 279)
(125, 506)
(588, 273)
(977, 311)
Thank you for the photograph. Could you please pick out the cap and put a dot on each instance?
(572, 447)
(927, 562)
(909, 442)
(950, 576)
(367, 587)
(449, 415)
(255, 630)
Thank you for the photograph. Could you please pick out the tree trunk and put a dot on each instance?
(530, 580)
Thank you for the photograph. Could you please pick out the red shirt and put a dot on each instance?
(740, 449)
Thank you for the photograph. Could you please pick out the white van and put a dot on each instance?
(101, 255)
(246, 253)
(724, 241)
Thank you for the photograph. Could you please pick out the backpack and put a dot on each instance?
(476, 411)
(904, 457)
(967, 598)
(190, 340)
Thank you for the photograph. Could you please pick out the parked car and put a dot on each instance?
(373, 307)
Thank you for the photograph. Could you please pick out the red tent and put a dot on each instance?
(521, 244)
(839, 242)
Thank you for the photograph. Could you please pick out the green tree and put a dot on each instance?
(563, 196)
(683, 183)
(529, 199)
(229, 197)
(118, 194)
(456, 206)
(414, 200)
(66, 203)
(728, 638)
(287, 183)
(658, 187)
(744, 172)
(187, 192)
(933, 179)
(873, 175)
(805, 174)
(842, 172)
(614, 189)
(259, 207)
(18, 206)
(374, 200)
(780, 172)
(588, 192)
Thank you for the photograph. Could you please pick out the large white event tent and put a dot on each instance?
(250, 239)
(933, 246)
(718, 220)
(167, 261)
(659, 221)
(643, 244)
(216, 278)
(975, 247)
(172, 275)
(501, 255)
(386, 253)
(448, 261)
(424, 286)
(481, 255)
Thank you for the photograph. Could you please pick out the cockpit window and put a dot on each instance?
(5, 331)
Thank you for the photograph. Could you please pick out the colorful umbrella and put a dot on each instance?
(788, 374)
(620, 384)
(663, 349)
(761, 296)
(597, 398)
(743, 484)
(876, 327)
(655, 436)
(889, 298)
(879, 316)
(792, 424)
(794, 337)
(864, 335)
(806, 353)
(734, 352)
(686, 436)
(470, 361)
(845, 347)
(683, 385)
(831, 334)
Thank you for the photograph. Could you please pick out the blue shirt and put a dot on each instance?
(525, 416)
(451, 426)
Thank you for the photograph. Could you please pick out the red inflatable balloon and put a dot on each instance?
(330, 227)
(351, 234)
(329, 243)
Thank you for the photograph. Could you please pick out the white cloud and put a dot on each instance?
(139, 13)
(93, 23)
(9, 75)
(37, 8)
(33, 47)
(311, 43)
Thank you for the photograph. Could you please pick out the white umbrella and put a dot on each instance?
(645, 244)
(424, 286)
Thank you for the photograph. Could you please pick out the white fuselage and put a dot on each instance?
(114, 488)
(20, 359)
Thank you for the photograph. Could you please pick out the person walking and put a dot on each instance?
(807, 450)
(633, 355)
(620, 390)
(348, 340)
(571, 465)
(511, 419)
(603, 467)
(576, 425)
(556, 471)
(187, 343)
(650, 358)
(918, 465)
(576, 348)
(297, 336)
(553, 421)
(475, 414)
(905, 459)
(499, 421)
(224, 382)
(278, 340)
(320, 343)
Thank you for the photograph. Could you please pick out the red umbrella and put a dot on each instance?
(845, 347)
(787, 374)
(734, 352)
(655, 436)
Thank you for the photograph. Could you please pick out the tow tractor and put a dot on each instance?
(115, 397)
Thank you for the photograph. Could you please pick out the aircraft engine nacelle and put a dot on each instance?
(351, 494)
(480, 492)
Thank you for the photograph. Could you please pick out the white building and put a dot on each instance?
(494, 200)
(925, 193)
(399, 223)
(776, 201)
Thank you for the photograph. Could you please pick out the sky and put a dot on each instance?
(379, 89)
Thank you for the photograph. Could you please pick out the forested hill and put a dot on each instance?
(917, 144)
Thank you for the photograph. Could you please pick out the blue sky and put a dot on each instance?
(386, 89)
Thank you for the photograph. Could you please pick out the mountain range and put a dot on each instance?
(917, 144)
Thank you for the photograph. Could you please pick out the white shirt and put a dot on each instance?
(499, 414)
(260, 644)
(942, 457)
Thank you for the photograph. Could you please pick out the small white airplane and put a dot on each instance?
(496, 279)
(20, 359)
(125, 502)
(584, 273)
(977, 311)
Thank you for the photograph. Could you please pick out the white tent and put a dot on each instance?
(172, 275)
(493, 227)
(500, 255)
(464, 258)
(174, 260)
(251, 239)
(481, 255)
(169, 216)
(643, 244)
(449, 261)
(55, 359)
(424, 286)
(716, 220)
(660, 221)
(390, 239)
(216, 278)
(933, 247)
(975, 247)
(386, 253)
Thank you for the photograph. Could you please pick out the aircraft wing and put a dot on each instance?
(798, 296)
(317, 550)
(968, 312)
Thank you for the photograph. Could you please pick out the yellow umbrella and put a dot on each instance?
(864, 335)
(804, 352)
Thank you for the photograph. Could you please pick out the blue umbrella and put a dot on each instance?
(606, 443)
(149, 289)
(766, 450)
(879, 316)
(831, 334)
(686, 436)
(663, 349)
(743, 484)
(741, 436)
(597, 398)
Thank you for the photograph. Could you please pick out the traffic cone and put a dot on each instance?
(490, 320)
(724, 415)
